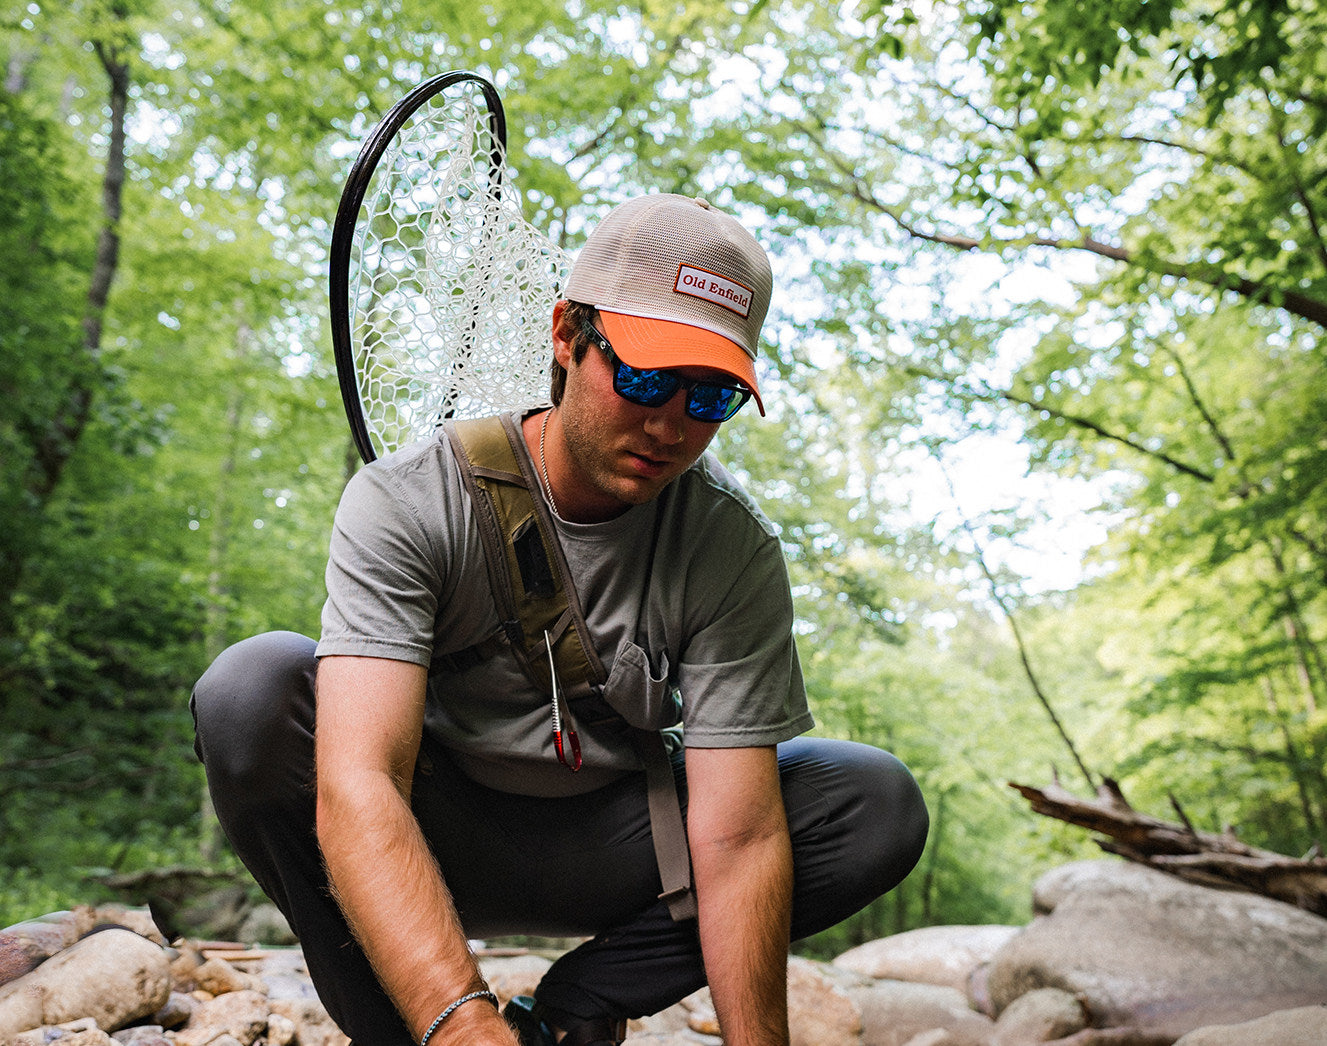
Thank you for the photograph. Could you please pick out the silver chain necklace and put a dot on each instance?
(543, 464)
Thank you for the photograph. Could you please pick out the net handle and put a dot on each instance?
(343, 228)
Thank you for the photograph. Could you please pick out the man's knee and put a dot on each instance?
(254, 704)
(864, 807)
(904, 821)
(887, 818)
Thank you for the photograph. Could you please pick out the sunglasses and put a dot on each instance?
(710, 401)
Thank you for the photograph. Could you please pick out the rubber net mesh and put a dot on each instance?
(451, 290)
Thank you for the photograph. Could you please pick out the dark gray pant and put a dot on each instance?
(576, 866)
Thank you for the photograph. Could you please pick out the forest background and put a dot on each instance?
(1048, 427)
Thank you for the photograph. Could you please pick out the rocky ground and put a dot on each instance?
(1118, 955)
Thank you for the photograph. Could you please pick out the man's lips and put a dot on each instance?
(649, 464)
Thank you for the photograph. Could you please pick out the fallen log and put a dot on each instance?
(186, 901)
(1209, 858)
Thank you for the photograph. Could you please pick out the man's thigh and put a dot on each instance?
(579, 865)
(557, 867)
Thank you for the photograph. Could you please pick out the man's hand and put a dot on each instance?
(742, 858)
(370, 718)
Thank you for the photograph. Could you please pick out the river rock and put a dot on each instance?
(1148, 950)
(314, 1026)
(25, 946)
(72, 1033)
(143, 1035)
(894, 1013)
(114, 977)
(281, 1031)
(820, 1012)
(510, 976)
(676, 1023)
(944, 955)
(242, 1015)
(266, 925)
(1304, 1026)
(177, 1010)
(1039, 1016)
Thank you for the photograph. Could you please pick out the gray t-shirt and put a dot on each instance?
(696, 631)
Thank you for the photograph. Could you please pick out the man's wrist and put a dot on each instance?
(453, 1007)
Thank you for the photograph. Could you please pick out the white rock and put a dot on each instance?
(281, 1030)
(1039, 1016)
(943, 955)
(114, 976)
(820, 1013)
(896, 1012)
(1304, 1026)
(241, 1015)
(1147, 950)
(513, 975)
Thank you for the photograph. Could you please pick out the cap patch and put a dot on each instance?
(710, 286)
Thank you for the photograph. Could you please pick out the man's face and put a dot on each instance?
(621, 454)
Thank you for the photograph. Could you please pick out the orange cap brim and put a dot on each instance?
(649, 343)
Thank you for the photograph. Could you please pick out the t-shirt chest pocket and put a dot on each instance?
(645, 700)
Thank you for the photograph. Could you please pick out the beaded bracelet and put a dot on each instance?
(437, 1021)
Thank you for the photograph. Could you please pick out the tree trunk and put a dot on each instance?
(64, 431)
(55, 446)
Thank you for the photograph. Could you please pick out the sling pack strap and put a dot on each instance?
(520, 542)
(666, 825)
(527, 570)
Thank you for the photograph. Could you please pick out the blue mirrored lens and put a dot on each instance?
(713, 402)
(649, 388)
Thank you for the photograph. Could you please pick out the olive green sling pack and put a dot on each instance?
(536, 599)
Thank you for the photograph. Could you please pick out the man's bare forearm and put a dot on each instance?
(381, 870)
(391, 892)
(745, 897)
(742, 858)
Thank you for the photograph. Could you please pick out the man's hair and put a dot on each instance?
(571, 329)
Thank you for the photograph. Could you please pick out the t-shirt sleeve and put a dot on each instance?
(382, 574)
(740, 678)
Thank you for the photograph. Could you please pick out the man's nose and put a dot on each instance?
(667, 422)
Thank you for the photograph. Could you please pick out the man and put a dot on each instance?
(454, 801)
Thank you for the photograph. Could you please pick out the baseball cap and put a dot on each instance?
(678, 283)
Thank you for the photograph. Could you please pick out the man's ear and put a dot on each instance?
(561, 347)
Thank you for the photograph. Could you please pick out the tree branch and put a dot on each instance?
(1073, 419)
(1200, 857)
(1302, 305)
(1290, 158)
(1025, 658)
(1200, 405)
